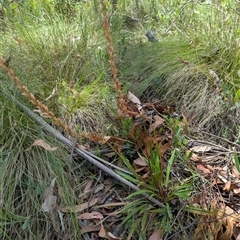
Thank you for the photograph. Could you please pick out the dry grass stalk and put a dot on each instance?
(122, 105)
(43, 108)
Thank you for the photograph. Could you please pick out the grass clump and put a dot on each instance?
(169, 179)
(54, 59)
(62, 57)
(26, 172)
(195, 64)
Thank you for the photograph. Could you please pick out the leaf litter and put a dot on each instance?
(101, 211)
(100, 207)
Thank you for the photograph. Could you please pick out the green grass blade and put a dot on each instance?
(169, 167)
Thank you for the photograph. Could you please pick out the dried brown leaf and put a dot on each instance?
(112, 237)
(164, 148)
(140, 162)
(231, 224)
(235, 172)
(102, 232)
(98, 139)
(229, 229)
(163, 109)
(99, 188)
(149, 143)
(50, 200)
(41, 143)
(91, 215)
(88, 186)
(157, 121)
(227, 186)
(79, 208)
(201, 149)
(185, 124)
(194, 157)
(135, 100)
(156, 236)
(111, 205)
(139, 169)
(146, 177)
(203, 169)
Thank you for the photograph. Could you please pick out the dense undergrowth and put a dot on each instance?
(188, 78)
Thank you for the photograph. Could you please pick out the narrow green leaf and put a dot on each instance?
(26, 224)
(129, 166)
(196, 210)
(144, 220)
(168, 209)
(169, 167)
(159, 210)
(128, 177)
(236, 160)
(140, 192)
(184, 194)
(3, 215)
(237, 96)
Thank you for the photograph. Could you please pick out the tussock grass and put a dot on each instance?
(25, 174)
(51, 56)
(46, 55)
(150, 218)
(64, 57)
(147, 66)
(177, 74)
(195, 64)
